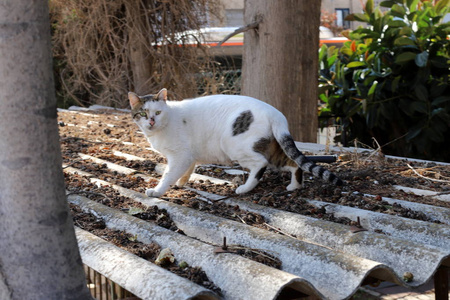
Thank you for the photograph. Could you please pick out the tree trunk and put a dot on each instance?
(39, 257)
(140, 60)
(281, 60)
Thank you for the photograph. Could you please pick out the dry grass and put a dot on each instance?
(103, 49)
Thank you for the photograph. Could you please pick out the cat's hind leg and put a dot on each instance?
(296, 177)
(257, 168)
(185, 178)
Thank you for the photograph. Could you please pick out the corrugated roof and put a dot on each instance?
(319, 258)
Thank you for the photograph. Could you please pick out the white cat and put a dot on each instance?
(220, 129)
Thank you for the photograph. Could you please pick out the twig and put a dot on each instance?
(256, 251)
(242, 220)
(72, 163)
(78, 101)
(442, 193)
(89, 193)
(83, 139)
(378, 150)
(294, 237)
(356, 152)
(240, 30)
(431, 179)
(279, 231)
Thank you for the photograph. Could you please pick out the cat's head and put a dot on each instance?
(149, 111)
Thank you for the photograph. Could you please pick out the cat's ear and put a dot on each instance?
(134, 99)
(162, 95)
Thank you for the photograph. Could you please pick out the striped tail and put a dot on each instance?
(288, 145)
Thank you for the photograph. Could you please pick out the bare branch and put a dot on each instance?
(424, 177)
(240, 30)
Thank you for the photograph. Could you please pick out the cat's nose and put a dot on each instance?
(152, 121)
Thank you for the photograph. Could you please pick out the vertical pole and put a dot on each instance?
(441, 283)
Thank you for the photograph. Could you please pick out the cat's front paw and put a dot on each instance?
(153, 193)
(242, 189)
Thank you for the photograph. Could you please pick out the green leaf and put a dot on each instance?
(421, 59)
(378, 13)
(421, 93)
(396, 23)
(358, 17)
(331, 60)
(413, 133)
(394, 85)
(412, 4)
(419, 106)
(438, 89)
(405, 31)
(387, 3)
(322, 52)
(405, 57)
(439, 62)
(412, 16)
(372, 88)
(440, 100)
(441, 5)
(404, 41)
(355, 64)
(370, 58)
(437, 111)
(347, 51)
(369, 7)
(369, 80)
(398, 11)
(323, 97)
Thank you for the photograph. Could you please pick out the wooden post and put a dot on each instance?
(441, 283)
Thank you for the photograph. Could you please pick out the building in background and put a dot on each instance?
(342, 8)
(232, 14)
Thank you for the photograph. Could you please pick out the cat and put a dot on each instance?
(220, 129)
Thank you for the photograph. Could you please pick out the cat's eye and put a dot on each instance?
(158, 112)
(143, 114)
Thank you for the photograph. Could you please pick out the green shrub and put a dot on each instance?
(391, 81)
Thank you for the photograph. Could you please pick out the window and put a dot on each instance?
(341, 13)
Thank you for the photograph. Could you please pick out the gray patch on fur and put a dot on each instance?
(260, 173)
(242, 123)
(150, 97)
(136, 112)
(288, 145)
(262, 145)
(299, 175)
